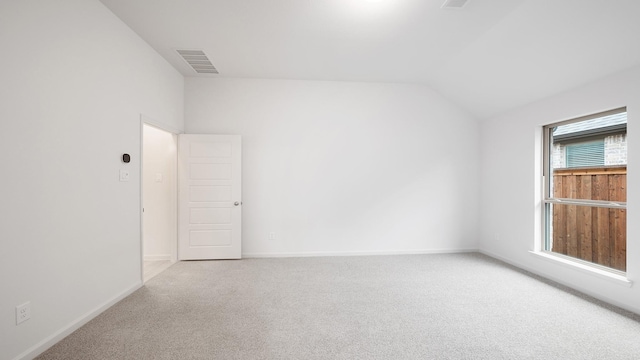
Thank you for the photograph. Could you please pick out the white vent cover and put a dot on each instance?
(198, 61)
(454, 4)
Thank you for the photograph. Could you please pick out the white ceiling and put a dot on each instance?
(489, 57)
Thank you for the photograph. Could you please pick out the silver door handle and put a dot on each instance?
(236, 203)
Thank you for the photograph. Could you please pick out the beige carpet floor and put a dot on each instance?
(456, 306)
(151, 268)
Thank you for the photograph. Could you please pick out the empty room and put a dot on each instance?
(320, 179)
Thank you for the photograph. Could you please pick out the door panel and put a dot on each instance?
(210, 216)
(209, 197)
(199, 193)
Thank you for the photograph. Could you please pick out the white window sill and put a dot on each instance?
(584, 268)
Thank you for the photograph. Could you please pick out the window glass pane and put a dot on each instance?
(581, 130)
(593, 234)
(591, 184)
(588, 159)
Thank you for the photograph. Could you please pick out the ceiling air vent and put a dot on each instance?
(454, 4)
(198, 61)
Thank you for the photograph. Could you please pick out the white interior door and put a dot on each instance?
(209, 197)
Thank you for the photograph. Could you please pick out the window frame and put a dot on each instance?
(547, 196)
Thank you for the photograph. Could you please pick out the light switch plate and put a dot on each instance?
(124, 175)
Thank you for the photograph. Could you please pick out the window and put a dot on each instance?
(588, 153)
(585, 189)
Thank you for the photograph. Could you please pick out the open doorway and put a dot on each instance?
(159, 200)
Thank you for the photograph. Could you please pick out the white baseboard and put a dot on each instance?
(250, 255)
(48, 342)
(156, 257)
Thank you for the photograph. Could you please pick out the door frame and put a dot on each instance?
(145, 120)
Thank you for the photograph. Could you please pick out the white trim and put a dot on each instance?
(585, 268)
(586, 202)
(558, 280)
(48, 342)
(141, 190)
(145, 120)
(161, 257)
(355, 253)
(149, 121)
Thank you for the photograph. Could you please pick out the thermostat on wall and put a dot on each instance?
(126, 158)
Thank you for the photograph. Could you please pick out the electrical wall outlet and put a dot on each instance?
(272, 236)
(23, 312)
(124, 175)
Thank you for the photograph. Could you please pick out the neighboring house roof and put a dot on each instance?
(605, 125)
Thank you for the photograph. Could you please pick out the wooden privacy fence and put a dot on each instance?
(594, 234)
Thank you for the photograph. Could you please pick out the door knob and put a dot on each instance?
(236, 203)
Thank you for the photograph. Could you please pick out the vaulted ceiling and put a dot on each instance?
(488, 57)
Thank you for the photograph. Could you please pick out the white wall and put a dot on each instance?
(75, 80)
(510, 179)
(344, 168)
(159, 184)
